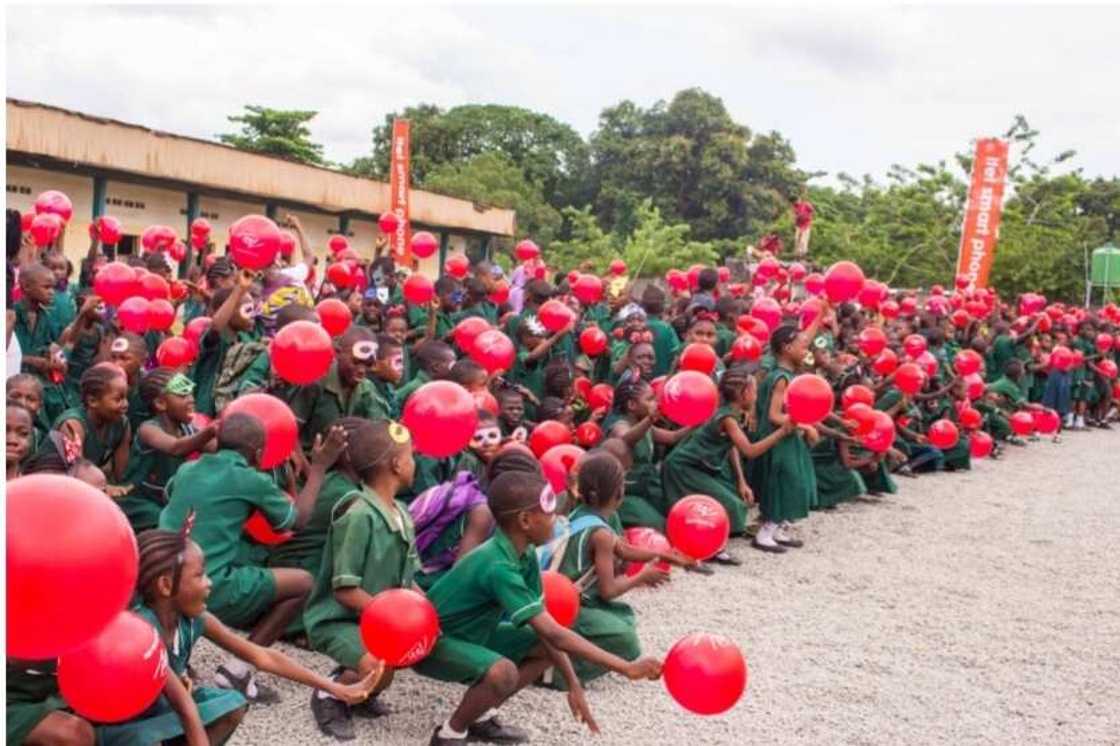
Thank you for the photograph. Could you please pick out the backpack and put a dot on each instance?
(237, 360)
(551, 555)
(438, 507)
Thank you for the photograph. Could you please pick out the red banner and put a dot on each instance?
(401, 240)
(985, 205)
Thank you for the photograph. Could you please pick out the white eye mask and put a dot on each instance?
(486, 436)
(365, 351)
(548, 499)
(120, 344)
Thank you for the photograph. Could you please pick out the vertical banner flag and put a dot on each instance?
(981, 218)
(401, 241)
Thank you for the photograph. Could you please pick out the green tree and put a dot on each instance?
(276, 132)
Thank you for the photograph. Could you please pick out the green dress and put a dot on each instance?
(700, 465)
(160, 722)
(148, 471)
(835, 482)
(98, 446)
(609, 624)
(786, 483)
(32, 688)
(643, 503)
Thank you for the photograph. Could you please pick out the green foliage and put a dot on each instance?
(276, 132)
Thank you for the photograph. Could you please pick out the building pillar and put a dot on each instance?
(484, 247)
(443, 241)
(100, 190)
(194, 209)
(344, 225)
(270, 210)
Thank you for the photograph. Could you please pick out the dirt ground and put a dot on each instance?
(977, 608)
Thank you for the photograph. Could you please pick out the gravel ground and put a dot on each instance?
(970, 608)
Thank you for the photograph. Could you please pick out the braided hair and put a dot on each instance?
(733, 381)
(601, 478)
(627, 392)
(96, 380)
(162, 553)
(154, 382)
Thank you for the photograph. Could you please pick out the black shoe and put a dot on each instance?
(223, 679)
(493, 731)
(371, 708)
(777, 549)
(437, 740)
(332, 716)
(723, 558)
(791, 543)
(700, 569)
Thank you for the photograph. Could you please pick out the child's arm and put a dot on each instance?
(778, 418)
(576, 699)
(225, 312)
(542, 349)
(120, 455)
(86, 316)
(745, 491)
(611, 585)
(323, 455)
(353, 598)
(563, 639)
(184, 706)
(665, 437)
(271, 660)
(480, 524)
(631, 434)
(153, 436)
(743, 444)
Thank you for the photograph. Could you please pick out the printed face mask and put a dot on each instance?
(364, 351)
(486, 437)
(396, 363)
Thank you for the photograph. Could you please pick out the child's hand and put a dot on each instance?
(327, 450)
(187, 683)
(581, 711)
(245, 279)
(90, 307)
(359, 691)
(679, 558)
(643, 668)
(117, 491)
(652, 575)
(810, 433)
(746, 493)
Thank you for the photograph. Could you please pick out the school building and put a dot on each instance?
(145, 177)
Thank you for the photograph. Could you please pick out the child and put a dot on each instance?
(708, 461)
(666, 343)
(173, 589)
(233, 313)
(162, 444)
(370, 547)
(387, 372)
(25, 390)
(534, 347)
(100, 426)
(511, 412)
(224, 488)
(435, 359)
(20, 432)
(39, 333)
(370, 314)
(129, 351)
(784, 478)
(63, 307)
(589, 555)
(35, 711)
(498, 658)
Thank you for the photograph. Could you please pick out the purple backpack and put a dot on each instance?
(438, 507)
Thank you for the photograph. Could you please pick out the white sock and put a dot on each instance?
(1069, 420)
(1079, 421)
(492, 712)
(765, 535)
(780, 532)
(448, 732)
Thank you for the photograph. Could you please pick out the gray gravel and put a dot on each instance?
(971, 608)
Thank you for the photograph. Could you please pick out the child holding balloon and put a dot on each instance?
(39, 333)
(370, 547)
(496, 658)
(129, 352)
(100, 426)
(232, 311)
(173, 588)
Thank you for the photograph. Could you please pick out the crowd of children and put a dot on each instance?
(364, 513)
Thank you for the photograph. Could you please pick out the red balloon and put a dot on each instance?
(908, 306)
(254, 242)
(335, 316)
(588, 435)
(970, 418)
(976, 386)
(746, 348)
(618, 267)
(161, 315)
(928, 363)
(261, 531)
(109, 230)
(588, 289)
(485, 401)
(980, 445)
(441, 416)
(768, 267)
(843, 281)
(500, 294)
(724, 273)
(1046, 421)
(768, 311)
(1022, 423)
(593, 341)
(967, 362)
(557, 463)
(526, 250)
(572, 277)
(915, 345)
(154, 287)
(960, 319)
(700, 357)
(457, 265)
(601, 396)
(115, 282)
(705, 673)
(175, 352)
(287, 243)
(872, 340)
(797, 272)
(132, 315)
(689, 398)
(962, 281)
(200, 243)
(881, 437)
(157, 238)
(561, 597)
(130, 654)
(554, 315)
(582, 386)
(861, 418)
(418, 289)
(814, 283)
(889, 309)
(72, 565)
(178, 251)
(399, 626)
(646, 538)
(943, 434)
(548, 434)
(698, 526)
(1104, 342)
(467, 330)
(338, 243)
(301, 352)
(677, 280)
(46, 228)
(388, 223)
(53, 202)
(857, 393)
(871, 294)
(1061, 358)
(754, 327)
(1108, 369)
(886, 363)
(424, 244)
(194, 330)
(694, 275)
(342, 275)
(809, 399)
(200, 227)
(493, 350)
(909, 378)
(280, 427)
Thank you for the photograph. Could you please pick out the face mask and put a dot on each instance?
(487, 437)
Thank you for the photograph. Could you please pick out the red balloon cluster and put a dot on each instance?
(646, 538)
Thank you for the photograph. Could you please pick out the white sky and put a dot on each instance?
(853, 90)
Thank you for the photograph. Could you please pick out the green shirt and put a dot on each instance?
(417, 381)
(1008, 389)
(369, 546)
(305, 549)
(36, 338)
(149, 469)
(98, 444)
(666, 345)
(490, 583)
(321, 404)
(223, 490)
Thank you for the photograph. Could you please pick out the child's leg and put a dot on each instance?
(221, 729)
(292, 589)
(61, 729)
(499, 683)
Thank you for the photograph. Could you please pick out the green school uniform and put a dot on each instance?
(305, 549)
(959, 457)
(99, 444)
(406, 390)
(786, 482)
(643, 503)
(1011, 392)
(32, 694)
(148, 471)
(529, 373)
(429, 472)
(608, 624)
(666, 345)
(386, 397)
(369, 546)
(138, 410)
(35, 340)
(327, 401)
(725, 337)
(160, 722)
(418, 319)
(484, 604)
(224, 490)
(1083, 385)
(63, 308)
(81, 357)
(835, 482)
(877, 478)
(211, 355)
(700, 464)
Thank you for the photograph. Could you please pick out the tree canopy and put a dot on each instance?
(276, 132)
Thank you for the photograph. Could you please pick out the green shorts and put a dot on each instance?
(462, 662)
(241, 595)
(22, 717)
(342, 641)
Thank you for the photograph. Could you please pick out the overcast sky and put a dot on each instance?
(853, 90)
